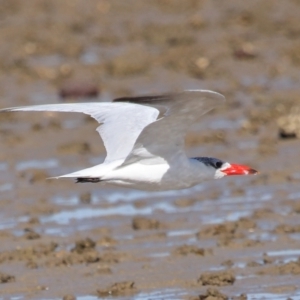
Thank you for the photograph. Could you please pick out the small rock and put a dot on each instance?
(69, 297)
(213, 294)
(75, 147)
(83, 245)
(240, 297)
(91, 257)
(107, 241)
(5, 278)
(253, 264)
(104, 270)
(86, 198)
(228, 263)
(247, 51)
(118, 289)
(31, 265)
(289, 125)
(140, 223)
(30, 234)
(184, 202)
(191, 249)
(267, 259)
(217, 278)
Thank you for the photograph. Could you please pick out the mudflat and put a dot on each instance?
(235, 238)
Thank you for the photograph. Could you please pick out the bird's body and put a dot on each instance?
(153, 177)
(144, 138)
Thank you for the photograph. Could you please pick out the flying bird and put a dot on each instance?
(144, 139)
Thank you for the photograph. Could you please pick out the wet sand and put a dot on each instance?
(235, 238)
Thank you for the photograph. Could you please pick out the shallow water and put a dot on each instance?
(152, 239)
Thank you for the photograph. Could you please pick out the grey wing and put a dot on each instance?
(165, 138)
(121, 123)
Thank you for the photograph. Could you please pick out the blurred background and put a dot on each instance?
(94, 50)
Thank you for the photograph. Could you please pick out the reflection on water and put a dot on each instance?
(159, 295)
(37, 164)
(11, 223)
(229, 208)
(265, 236)
(6, 187)
(270, 296)
(178, 294)
(68, 201)
(295, 195)
(16, 298)
(159, 254)
(181, 232)
(3, 166)
(127, 195)
(163, 294)
(90, 56)
(209, 214)
(284, 252)
(89, 298)
(121, 202)
(64, 217)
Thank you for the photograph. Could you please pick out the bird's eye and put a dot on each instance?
(219, 164)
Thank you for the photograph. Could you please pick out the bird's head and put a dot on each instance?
(221, 168)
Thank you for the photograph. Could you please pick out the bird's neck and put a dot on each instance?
(200, 170)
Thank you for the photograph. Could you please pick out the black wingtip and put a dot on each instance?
(144, 99)
(83, 180)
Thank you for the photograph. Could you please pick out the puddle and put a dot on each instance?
(115, 195)
(90, 56)
(16, 298)
(295, 236)
(90, 298)
(3, 166)
(6, 187)
(265, 236)
(181, 232)
(270, 296)
(229, 208)
(214, 219)
(11, 223)
(295, 195)
(284, 252)
(161, 254)
(288, 260)
(68, 201)
(64, 217)
(159, 294)
(178, 294)
(37, 164)
(163, 294)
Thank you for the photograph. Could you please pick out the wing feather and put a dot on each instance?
(165, 138)
(121, 123)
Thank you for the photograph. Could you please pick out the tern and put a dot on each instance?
(144, 138)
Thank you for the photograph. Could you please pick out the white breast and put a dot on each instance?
(160, 176)
(138, 175)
